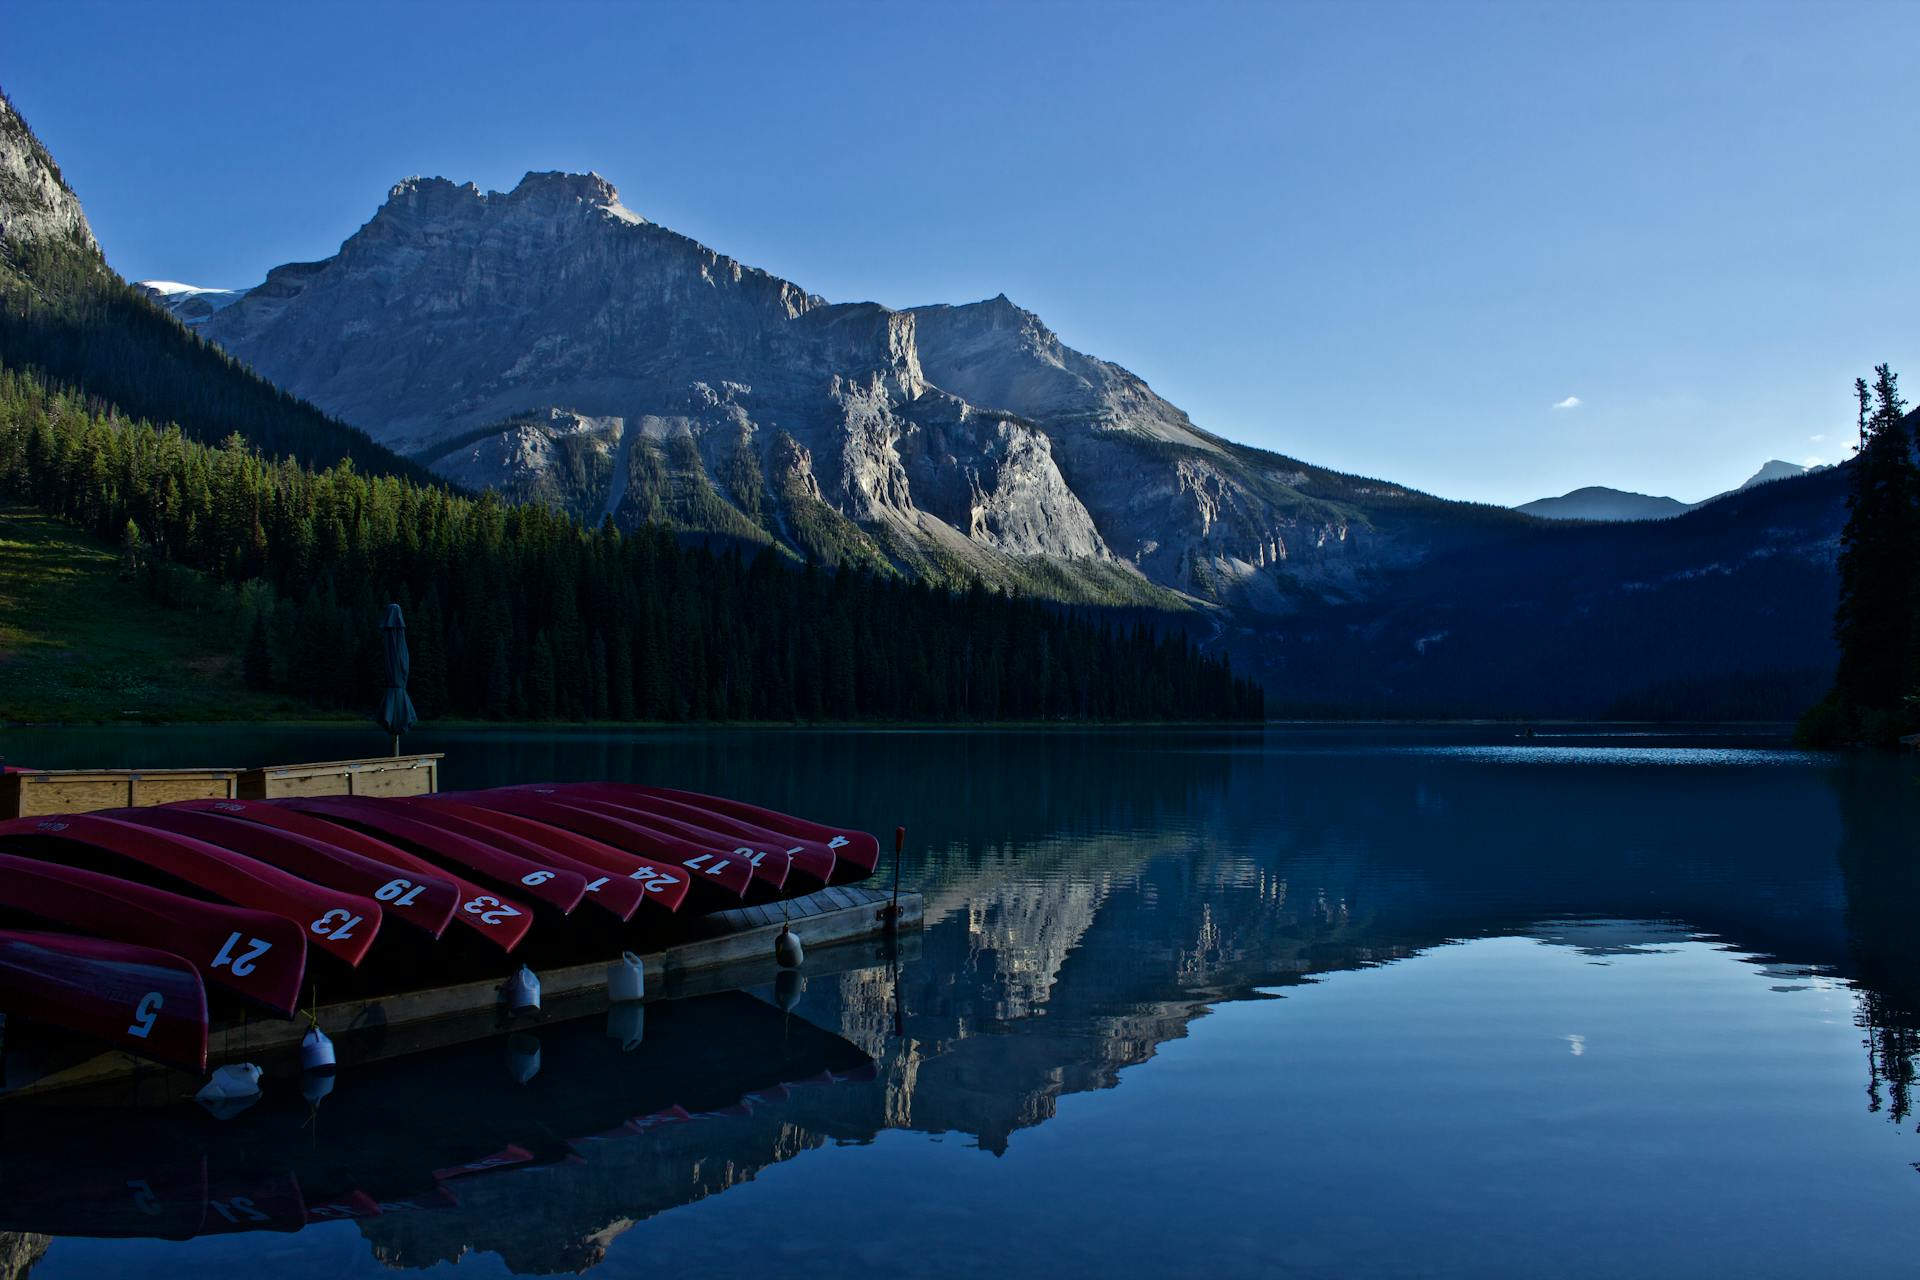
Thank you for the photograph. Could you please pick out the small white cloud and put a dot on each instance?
(1813, 460)
(1816, 439)
(1571, 402)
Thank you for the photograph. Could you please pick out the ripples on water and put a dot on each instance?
(1321, 1001)
(1651, 755)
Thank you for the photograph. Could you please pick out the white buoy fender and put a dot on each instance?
(627, 1023)
(626, 979)
(316, 1051)
(523, 991)
(236, 1080)
(787, 949)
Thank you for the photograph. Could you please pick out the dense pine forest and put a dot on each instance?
(516, 611)
(253, 503)
(1876, 689)
(63, 313)
(67, 314)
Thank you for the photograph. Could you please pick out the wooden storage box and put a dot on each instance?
(24, 795)
(409, 775)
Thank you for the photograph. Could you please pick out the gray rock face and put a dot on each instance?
(35, 204)
(553, 344)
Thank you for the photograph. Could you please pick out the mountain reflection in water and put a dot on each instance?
(1089, 895)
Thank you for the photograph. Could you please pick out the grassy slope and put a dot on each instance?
(80, 643)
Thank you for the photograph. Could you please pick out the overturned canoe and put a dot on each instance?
(813, 859)
(619, 895)
(858, 852)
(666, 886)
(144, 1001)
(716, 873)
(502, 921)
(343, 925)
(257, 955)
(545, 881)
(425, 902)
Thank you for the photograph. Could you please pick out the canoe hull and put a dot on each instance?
(137, 999)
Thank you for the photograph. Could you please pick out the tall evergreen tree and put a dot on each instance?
(1877, 621)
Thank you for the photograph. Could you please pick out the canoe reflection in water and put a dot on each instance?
(617, 1117)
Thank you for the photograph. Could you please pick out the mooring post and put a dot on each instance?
(893, 912)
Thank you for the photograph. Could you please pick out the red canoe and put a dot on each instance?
(425, 902)
(606, 888)
(665, 885)
(341, 924)
(501, 921)
(768, 867)
(611, 893)
(254, 954)
(548, 882)
(858, 851)
(811, 858)
(134, 998)
(722, 872)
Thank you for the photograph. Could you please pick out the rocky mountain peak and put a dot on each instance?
(556, 189)
(548, 341)
(431, 206)
(35, 202)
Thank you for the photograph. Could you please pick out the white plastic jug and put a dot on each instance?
(523, 991)
(626, 979)
(236, 1080)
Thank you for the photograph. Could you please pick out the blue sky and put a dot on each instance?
(1387, 238)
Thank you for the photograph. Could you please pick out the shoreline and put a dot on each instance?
(685, 726)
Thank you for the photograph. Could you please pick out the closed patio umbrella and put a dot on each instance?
(396, 708)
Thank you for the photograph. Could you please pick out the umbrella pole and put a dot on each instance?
(396, 745)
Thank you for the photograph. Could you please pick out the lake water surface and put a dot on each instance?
(1316, 1002)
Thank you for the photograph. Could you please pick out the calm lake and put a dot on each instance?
(1304, 1001)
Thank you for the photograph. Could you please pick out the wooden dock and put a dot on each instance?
(728, 950)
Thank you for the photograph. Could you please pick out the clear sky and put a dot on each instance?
(1387, 238)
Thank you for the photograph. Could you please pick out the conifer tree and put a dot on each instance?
(1877, 621)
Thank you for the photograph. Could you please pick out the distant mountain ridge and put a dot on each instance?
(550, 342)
(1597, 502)
(553, 344)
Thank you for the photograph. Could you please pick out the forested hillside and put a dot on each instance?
(516, 611)
(64, 312)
